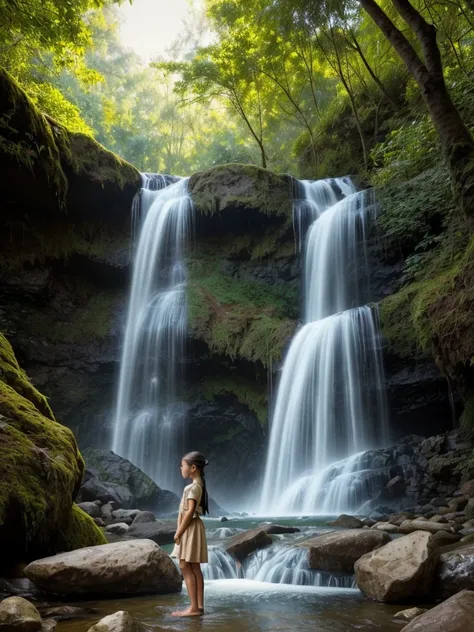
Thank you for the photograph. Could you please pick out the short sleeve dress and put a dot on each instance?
(193, 545)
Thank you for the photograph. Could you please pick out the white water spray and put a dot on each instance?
(149, 421)
(330, 401)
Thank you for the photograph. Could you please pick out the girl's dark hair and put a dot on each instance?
(200, 461)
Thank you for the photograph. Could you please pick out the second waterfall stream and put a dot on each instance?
(330, 403)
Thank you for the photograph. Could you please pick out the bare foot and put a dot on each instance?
(187, 613)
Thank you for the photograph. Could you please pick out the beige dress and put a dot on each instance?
(193, 545)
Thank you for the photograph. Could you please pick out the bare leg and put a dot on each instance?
(191, 586)
(199, 585)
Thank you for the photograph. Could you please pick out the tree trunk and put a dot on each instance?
(456, 141)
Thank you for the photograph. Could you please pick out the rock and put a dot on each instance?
(409, 526)
(145, 493)
(443, 538)
(99, 522)
(125, 515)
(458, 504)
(276, 529)
(377, 516)
(241, 545)
(224, 519)
(439, 502)
(48, 625)
(402, 569)
(367, 522)
(106, 492)
(442, 468)
(339, 550)
(159, 532)
(119, 528)
(387, 527)
(106, 512)
(467, 489)
(469, 509)
(396, 487)
(409, 615)
(41, 470)
(455, 572)
(19, 587)
(92, 509)
(120, 621)
(348, 522)
(19, 615)
(454, 615)
(257, 192)
(65, 613)
(122, 568)
(144, 517)
(433, 445)
(398, 518)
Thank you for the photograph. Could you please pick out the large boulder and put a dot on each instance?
(19, 615)
(122, 568)
(454, 615)
(120, 621)
(339, 551)
(110, 468)
(236, 187)
(455, 571)
(409, 526)
(241, 545)
(402, 569)
(41, 471)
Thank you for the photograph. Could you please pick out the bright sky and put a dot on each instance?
(150, 26)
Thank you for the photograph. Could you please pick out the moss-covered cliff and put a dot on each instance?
(41, 471)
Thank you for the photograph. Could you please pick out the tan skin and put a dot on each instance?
(191, 571)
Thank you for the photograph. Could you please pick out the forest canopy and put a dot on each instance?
(318, 88)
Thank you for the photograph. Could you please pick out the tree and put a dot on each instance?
(427, 70)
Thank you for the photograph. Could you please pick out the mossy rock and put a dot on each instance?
(49, 173)
(29, 155)
(41, 471)
(79, 531)
(241, 187)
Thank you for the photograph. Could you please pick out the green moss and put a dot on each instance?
(80, 531)
(91, 319)
(251, 394)
(241, 186)
(84, 155)
(41, 466)
(26, 136)
(434, 312)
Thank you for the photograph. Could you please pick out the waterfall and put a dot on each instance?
(330, 401)
(149, 420)
(276, 564)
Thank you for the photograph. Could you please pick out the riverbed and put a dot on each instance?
(240, 604)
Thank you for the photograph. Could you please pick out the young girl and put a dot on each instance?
(190, 536)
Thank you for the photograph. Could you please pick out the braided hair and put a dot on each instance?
(199, 460)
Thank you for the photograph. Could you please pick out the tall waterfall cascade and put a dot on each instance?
(149, 419)
(330, 404)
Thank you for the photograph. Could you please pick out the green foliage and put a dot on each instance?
(414, 213)
(204, 273)
(250, 393)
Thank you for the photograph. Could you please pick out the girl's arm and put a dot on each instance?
(186, 519)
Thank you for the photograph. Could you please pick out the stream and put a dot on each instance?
(239, 603)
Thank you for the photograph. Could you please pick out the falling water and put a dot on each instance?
(276, 564)
(330, 402)
(149, 419)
